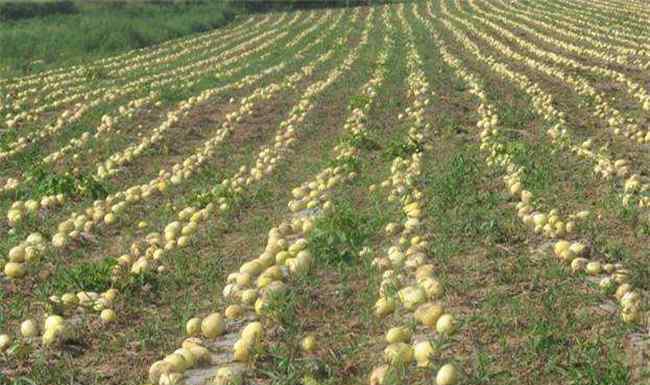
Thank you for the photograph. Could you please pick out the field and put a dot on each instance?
(447, 192)
(83, 31)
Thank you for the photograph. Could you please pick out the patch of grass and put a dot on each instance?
(456, 195)
(283, 367)
(35, 44)
(538, 175)
(586, 366)
(358, 101)
(85, 276)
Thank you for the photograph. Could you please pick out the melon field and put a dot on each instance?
(428, 192)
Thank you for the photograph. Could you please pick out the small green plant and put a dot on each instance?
(203, 197)
(282, 308)
(363, 141)
(338, 237)
(135, 282)
(43, 182)
(358, 101)
(402, 148)
(86, 276)
(7, 135)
